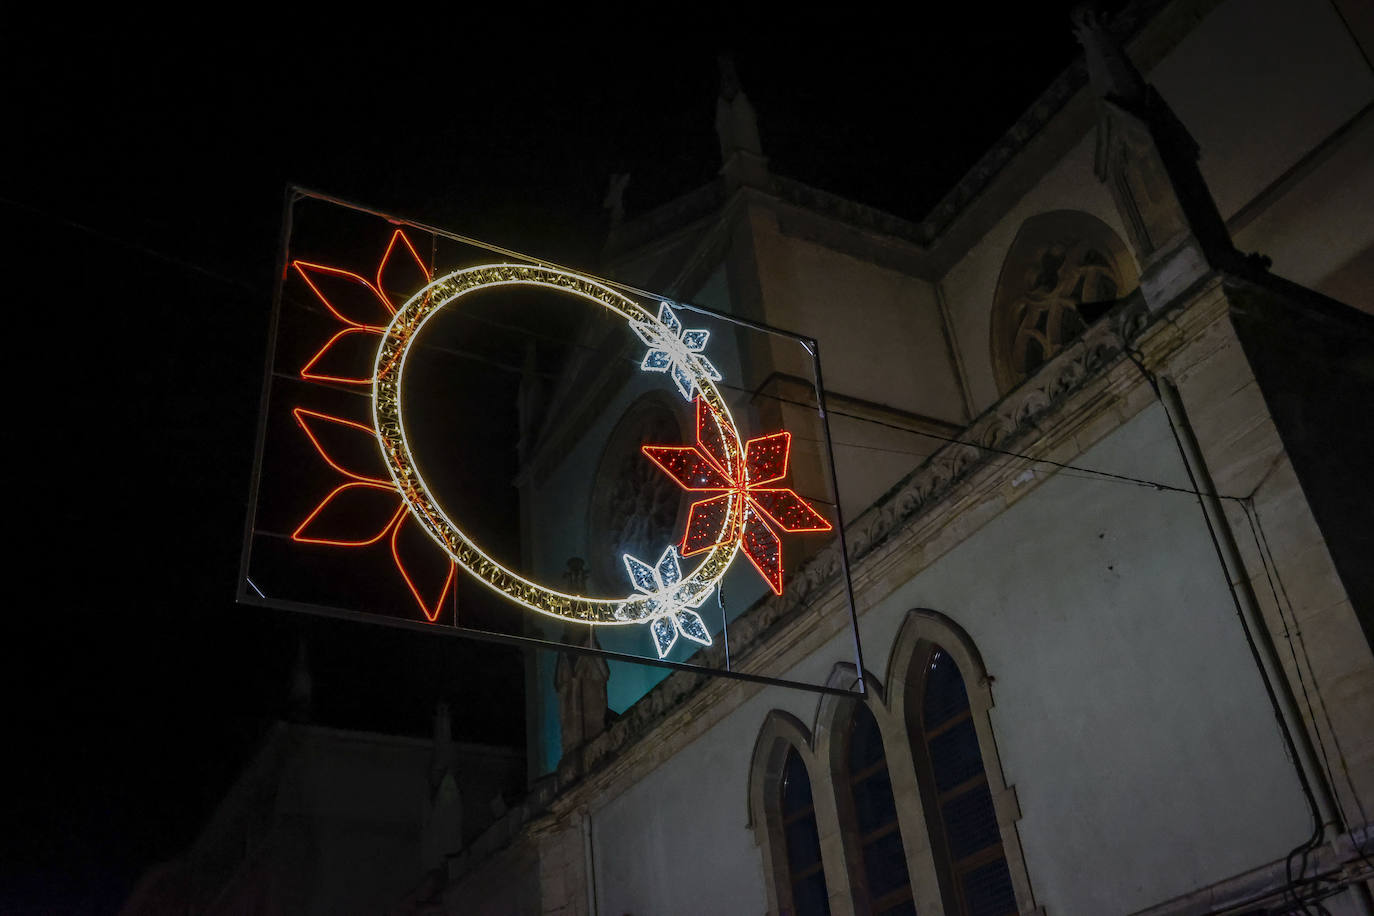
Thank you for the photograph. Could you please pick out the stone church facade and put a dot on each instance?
(1107, 522)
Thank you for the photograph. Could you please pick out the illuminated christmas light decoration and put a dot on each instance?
(350, 298)
(350, 293)
(368, 505)
(363, 495)
(699, 469)
(675, 350)
(365, 308)
(388, 371)
(670, 600)
(311, 371)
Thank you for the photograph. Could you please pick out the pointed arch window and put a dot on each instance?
(878, 835)
(961, 818)
(1063, 267)
(805, 874)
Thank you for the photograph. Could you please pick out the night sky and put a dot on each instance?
(143, 205)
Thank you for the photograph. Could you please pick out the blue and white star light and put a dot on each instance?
(670, 600)
(676, 350)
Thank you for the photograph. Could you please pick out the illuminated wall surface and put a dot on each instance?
(460, 437)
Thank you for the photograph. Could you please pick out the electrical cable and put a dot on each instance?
(245, 285)
(1082, 472)
(1266, 555)
(1314, 810)
(136, 246)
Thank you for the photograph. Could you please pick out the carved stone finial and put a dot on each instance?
(443, 723)
(300, 698)
(581, 684)
(445, 754)
(737, 128)
(1109, 68)
(729, 79)
(576, 574)
(443, 825)
(1149, 161)
(615, 197)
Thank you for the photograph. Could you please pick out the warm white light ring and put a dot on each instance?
(386, 418)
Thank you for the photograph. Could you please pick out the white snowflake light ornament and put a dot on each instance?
(674, 349)
(670, 600)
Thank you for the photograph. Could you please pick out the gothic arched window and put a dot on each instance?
(878, 838)
(805, 874)
(960, 816)
(634, 509)
(1058, 263)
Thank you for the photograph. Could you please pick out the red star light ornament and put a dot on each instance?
(702, 468)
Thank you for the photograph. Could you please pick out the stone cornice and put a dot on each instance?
(848, 211)
(1153, 27)
(664, 219)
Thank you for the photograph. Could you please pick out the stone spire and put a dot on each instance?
(1109, 69)
(614, 202)
(1149, 161)
(737, 128)
(580, 680)
(443, 824)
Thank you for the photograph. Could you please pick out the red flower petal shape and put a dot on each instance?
(342, 436)
(424, 561)
(688, 467)
(354, 515)
(765, 458)
(402, 272)
(706, 525)
(787, 510)
(340, 359)
(710, 437)
(763, 549)
(349, 297)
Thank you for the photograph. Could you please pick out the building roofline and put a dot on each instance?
(1150, 28)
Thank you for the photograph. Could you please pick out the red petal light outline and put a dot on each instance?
(305, 417)
(710, 437)
(310, 376)
(688, 467)
(765, 458)
(301, 536)
(400, 265)
(306, 269)
(366, 308)
(784, 508)
(702, 469)
(431, 611)
(706, 524)
(763, 549)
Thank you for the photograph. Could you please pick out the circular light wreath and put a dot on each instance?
(388, 371)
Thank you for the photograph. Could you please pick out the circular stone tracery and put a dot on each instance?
(386, 417)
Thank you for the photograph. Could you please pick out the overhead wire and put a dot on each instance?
(245, 285)
(1290, 742)
(1296, 642)
(140, 247)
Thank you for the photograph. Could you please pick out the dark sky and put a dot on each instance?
(143, 202)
